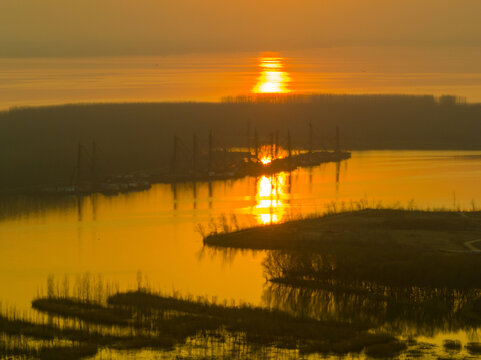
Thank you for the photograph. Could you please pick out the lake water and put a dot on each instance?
(211, 76)
(154, 231)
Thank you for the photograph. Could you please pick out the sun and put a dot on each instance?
(266, 160)
(272, 79)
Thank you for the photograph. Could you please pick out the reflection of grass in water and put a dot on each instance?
(260, 325)
(14, 326)
(474, 348)
(424, 311)
(158, 321)
(88, 311)
(452, 345)
(22, 349)
(263, 326)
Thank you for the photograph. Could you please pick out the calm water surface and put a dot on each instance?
(209, 77)
(155, 231)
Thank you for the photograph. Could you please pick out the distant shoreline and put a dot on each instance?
(39, 146)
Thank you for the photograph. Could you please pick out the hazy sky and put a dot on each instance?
(148, 27)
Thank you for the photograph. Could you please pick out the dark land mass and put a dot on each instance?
(391, 247)
(404, 271)
(39, 146)
(170, 320)
(161, 322)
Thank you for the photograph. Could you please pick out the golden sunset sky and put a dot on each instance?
(31, 28)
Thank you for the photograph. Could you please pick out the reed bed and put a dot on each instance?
(166, 322)
(229, 223)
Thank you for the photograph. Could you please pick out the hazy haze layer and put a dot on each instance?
(153, 27)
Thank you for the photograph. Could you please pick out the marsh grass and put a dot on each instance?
(225, 224)
(43, 331)
(393, 309)
(387, 246)
(88, 311)
(23, 349)
(261, 326)
(341, 270)
(474, 348)
(171, 320)
(452, 345)
(386, 350)
(393, 268)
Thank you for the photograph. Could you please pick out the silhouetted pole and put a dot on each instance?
(338, 140)
(210, 151)
(194, 153)
(175, 155)
(174, 193)
(310, 138)
(79, 208)
(210, 195)
(289, 149)
(79, 164)
(93, 168)
(225, 158)
(194, 193)
(289, 188)
(249, 136)
(338, 171)
(271, 207)
(272, 145)
(256, 145)
(277, 143)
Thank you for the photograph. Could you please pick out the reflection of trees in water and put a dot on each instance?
(405, 310)
(225, 345)
(227, 254)
(389, 264)
(16, 207)
(20, 206)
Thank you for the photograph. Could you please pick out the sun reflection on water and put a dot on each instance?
(273, 78)
(269, 198)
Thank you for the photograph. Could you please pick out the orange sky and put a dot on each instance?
(157, 27)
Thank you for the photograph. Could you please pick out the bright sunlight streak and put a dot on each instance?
(269, 206)
(272, 78)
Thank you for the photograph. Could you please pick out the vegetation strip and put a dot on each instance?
(387, 246)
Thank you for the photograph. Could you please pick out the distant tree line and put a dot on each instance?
(39, 146)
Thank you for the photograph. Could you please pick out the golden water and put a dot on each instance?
(155, 230)
(209, 77)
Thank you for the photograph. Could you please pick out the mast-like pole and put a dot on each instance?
(310, 138)
(93, 168)
(338, 140)
(249, 137)
(289, 149)
(256, 145)
(79, 164)
(277, 144)
(210, 151)
(272, 146)
(194, 153)
(175, 154)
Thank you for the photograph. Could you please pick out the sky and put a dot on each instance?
(59, 28)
